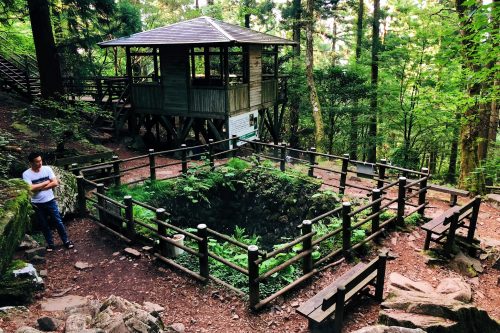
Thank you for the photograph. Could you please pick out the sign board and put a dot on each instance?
(244, 125)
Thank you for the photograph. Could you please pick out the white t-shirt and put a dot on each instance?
(31, 177)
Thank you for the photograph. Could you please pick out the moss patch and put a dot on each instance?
(14, 217)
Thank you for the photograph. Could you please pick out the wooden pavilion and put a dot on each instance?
(202, 76)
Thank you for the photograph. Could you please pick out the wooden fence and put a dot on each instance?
(117, 217)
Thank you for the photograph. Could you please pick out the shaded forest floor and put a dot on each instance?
(215, 309)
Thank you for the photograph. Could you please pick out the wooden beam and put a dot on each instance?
(212, 128)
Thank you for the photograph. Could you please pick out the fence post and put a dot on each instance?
(257, 149)
(116, 171)
(423, 192)
(312, 161)
(283, 156)
(379, 285)
(211, 153)
(234, 143)
(346, 228)
(473, 220)
(253, 275)
(82, 201)
(339, 309)
(375, 210)
(381, 173)
(401, 201)
(307, 264)
(129, 216)
(162, 231)
(343, 174)
(73, 169)
(203, 251)
(184, 158)
(152, 165)
(100, 203)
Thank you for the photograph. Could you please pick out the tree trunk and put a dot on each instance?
(372, 132)
(353, 133)
(295, 102)
(46, 52)
(334, 42)
(470, 131)
(297, 12)
(451, 177)
(319, 131)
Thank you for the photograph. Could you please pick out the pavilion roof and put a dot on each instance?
(201, 30)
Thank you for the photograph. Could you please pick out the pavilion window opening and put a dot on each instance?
(144, 63)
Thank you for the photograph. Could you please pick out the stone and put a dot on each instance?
(62, 292)
(67, 191)
(43, 273)
(48, 324)
(147, 248)
(27, 329)
(418, 305)
(62, 303)
(77, 323)
(28, 242)
(8, 311)
(152, 307)
(132, 252)
(38, 251)
(235, 317)
(178, 327)
(37, 260)
(388, 329)
(455, 288)
(80, 265)
(466, 265)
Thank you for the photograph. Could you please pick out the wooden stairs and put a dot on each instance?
(17, 77)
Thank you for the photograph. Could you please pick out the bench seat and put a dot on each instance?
(454, 192)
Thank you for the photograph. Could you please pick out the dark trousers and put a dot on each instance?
(50, 209)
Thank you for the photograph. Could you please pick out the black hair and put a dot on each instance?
(33, 155)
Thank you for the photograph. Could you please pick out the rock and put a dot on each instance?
(388, 329)
(8, 311)
(455, 288)
(147, 248)
(152, 307)
(235, 317)
(37, 260)
(28, 242)
(418, 305)
(177, 327)
(80, 265)
(43, 273)
(61, 292)
(411, 238)
(62, 303)
(27, 329)
(294, 304)
(38, 251)
(67, 192)
(466, 265)
(48, 324)
(77, 323)
(132, 252)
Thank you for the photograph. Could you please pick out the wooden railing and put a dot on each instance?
(117, 217)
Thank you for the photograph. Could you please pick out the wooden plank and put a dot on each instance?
(317, 300)
(319, 315)
(448, 190)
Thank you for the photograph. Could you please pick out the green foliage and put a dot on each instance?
(62, 121)
(413, 219)
(6, 158)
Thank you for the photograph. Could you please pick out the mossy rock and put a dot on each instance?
(67, 191)
(17, 290)
(15, 214)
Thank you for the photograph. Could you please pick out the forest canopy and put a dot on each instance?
(413, 82)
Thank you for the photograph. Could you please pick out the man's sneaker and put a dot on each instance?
(49, 248)
(69, 245)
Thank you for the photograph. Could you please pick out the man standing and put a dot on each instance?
(42, 180)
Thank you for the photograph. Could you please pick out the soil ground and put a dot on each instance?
(213, 308)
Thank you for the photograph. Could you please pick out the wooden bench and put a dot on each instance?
(325, 310)
(454, 192)
(446, 225)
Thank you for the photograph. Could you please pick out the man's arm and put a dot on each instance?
(39, 186)
(50, 184)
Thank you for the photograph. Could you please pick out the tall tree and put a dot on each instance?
(46, 52)
(319, 131)
(372, 131)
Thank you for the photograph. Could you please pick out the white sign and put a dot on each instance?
(244, 126)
